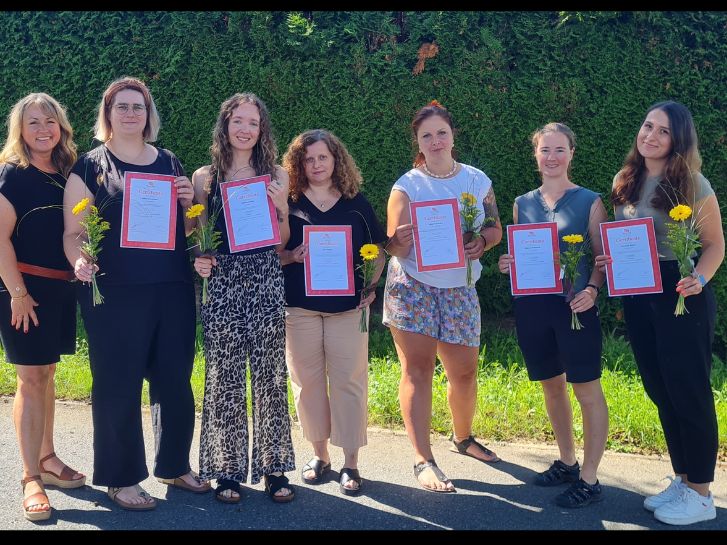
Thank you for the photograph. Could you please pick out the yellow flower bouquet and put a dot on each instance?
(95, 228)
(205, 236)
(569, 262)
(683, 240)
(369, 253)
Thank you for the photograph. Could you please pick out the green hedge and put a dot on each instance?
(502, 74)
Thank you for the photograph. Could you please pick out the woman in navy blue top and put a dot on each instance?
(554, 352)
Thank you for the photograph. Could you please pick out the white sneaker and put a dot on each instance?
(669, 494)
(688, 508)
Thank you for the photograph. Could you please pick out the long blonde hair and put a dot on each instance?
(16, 150)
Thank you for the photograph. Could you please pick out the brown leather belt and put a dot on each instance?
(45, 272)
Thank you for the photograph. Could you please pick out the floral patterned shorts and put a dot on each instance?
(450, 315)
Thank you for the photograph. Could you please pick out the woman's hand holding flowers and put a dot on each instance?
(203, 265)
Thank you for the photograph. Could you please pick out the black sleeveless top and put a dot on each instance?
(365, 229)
(37, 198)
(103, 174)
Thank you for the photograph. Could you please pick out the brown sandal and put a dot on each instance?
(39, 498)
(64, 480)
(204, 486)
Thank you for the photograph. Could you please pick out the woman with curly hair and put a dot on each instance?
(244, 317)
(326, 352)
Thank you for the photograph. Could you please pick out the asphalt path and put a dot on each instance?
(490, 496)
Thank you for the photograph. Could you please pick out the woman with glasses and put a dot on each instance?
(145, 326)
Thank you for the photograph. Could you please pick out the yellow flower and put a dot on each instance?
(194, 211)
(680, 212)
(573, 239)
(369, 251)
(81, 206)
(468, 199)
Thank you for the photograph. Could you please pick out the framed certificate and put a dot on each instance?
(635, 266)
(328, 265)
(250, 215)
(149, 213)
(536, 266)
(437, 235)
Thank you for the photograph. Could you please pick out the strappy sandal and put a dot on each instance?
(348, 474)
(149, 502)
(64, 480)
(463, 445)
(419, 468)
(227, 484)
(39, 498)
(180, 483)
(273, 483)
(319, 467)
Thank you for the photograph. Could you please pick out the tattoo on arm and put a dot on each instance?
(492, 216)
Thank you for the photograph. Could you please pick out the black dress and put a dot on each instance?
(37, 239)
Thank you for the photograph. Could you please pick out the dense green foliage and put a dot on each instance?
(502, 75)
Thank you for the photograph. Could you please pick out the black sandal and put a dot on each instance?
(273, 483)
(463, 445)
(418, 468)
(319, 467)
(348, 474)
(227, 484)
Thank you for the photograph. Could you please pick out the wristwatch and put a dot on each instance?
(702, 280)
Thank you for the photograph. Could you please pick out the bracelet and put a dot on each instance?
(19, 296)
(589, 285)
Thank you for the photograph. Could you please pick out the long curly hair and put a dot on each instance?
(265, 152)
(16, 150)
(684, 161)
(346, 175)
(431, 109)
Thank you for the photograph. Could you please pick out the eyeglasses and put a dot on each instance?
(123, 109)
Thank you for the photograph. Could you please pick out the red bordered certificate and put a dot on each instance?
(536, 266)
(437, 235)
(250, 215)
(632, 247)
(328, 265)
(149, 214)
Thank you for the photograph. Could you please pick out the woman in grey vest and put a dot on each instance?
(554, 352)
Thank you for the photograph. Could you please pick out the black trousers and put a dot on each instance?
(674, 357)
(140, 331)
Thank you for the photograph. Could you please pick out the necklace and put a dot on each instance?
(319, 204)
(430, 173)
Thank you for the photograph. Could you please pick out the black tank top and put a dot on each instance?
(103, 174)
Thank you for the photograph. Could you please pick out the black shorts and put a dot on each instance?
(549, 345)
(56, 334)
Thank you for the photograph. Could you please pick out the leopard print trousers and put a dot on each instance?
(244, 319)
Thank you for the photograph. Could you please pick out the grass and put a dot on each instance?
(509, 408)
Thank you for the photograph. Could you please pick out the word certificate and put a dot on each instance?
(437, 235)
(634, 268)
(250, 215)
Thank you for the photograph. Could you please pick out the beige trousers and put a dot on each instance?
(327, 357)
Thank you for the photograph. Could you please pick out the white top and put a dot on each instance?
(420, 187)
